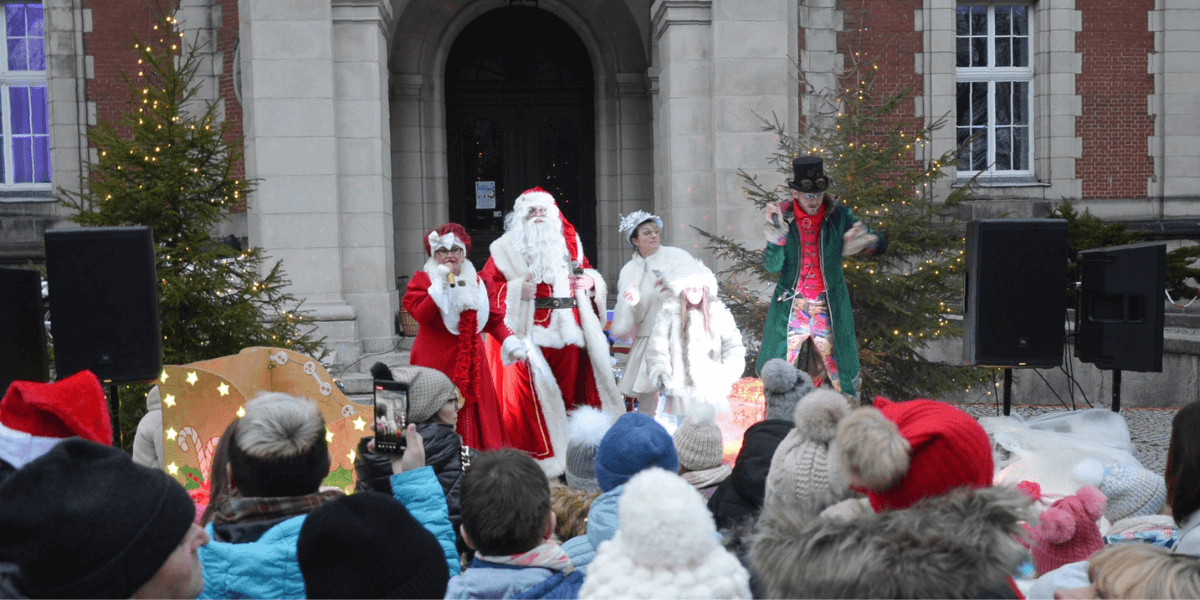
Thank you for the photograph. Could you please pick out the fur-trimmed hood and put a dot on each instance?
(961, 545)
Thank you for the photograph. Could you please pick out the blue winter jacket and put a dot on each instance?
(267, 568)
(601, 526)
(492, 580)
(421, 493)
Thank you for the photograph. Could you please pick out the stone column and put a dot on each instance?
(289, 117)
(754, 75)
(685, 184)
(364, 183)
(721, 67)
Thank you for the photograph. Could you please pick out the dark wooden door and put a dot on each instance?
(518, 115)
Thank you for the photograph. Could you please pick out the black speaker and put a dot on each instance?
(1119, 320)
(104, 302)
(1014, 313)
(22, 328)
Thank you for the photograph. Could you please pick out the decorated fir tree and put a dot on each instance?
(164, 167)
(903, 300)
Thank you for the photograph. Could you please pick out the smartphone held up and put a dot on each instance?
(391, 416)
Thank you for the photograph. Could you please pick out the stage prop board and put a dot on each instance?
(747, 406)
(200, 399)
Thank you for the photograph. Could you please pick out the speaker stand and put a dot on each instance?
(1007, 391)
(1116, 390)
(114, 413)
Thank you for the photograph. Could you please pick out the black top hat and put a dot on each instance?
(810, 174)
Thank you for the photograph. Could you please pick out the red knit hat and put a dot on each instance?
(460, 236)
(901, 452)
(1067, 531)
(74, 406)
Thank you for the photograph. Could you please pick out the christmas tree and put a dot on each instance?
(161, 166)
(904, 300)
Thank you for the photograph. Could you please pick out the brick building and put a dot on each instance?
(369, 121)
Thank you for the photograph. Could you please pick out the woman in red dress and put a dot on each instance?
(450, 302)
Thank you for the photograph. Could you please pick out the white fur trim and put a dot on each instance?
(523, 202)
(451, 302)
(19, 448)
(561, 331)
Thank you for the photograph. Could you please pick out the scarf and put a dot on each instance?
(549, 555)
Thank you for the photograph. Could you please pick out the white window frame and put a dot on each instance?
(10, 79)
(993, 75)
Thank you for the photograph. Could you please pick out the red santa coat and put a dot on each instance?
(568, 361)
(449, 340)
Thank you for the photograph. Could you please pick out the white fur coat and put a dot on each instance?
(559, 332)
(691, 366)
(637, 319)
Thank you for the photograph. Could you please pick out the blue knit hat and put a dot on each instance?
(633, 443)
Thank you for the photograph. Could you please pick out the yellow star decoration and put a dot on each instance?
(169, 400)
(351, 456)
(192, 379)
(164, 376)
(241, 411)
(171, 433)
(173, 468)
(359, 424)
(224, 389)
(329, 436)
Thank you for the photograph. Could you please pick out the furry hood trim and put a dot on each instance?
(961, 545)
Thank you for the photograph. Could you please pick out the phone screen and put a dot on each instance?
(391, 416)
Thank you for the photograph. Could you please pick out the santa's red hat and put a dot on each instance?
(47, 412)
(901, 452)
(447, 236)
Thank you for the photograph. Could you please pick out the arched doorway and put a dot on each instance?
(519, 114)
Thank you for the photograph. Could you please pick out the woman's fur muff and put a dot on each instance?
(873, 453)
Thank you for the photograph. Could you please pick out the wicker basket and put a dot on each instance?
(409, 325)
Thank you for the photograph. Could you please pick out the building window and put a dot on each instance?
(24, 107)
(994, 122)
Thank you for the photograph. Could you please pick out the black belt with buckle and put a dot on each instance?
(554, 303)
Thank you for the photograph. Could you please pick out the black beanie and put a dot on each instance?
(367, 545)
(84, 521)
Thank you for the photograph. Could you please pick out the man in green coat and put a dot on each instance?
(806, 240)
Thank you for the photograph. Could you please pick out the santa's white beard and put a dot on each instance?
(544, 248)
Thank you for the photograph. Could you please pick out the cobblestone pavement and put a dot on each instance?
(1149, 428)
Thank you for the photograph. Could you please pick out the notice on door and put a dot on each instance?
(485, 194)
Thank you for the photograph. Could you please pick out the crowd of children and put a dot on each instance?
(824, 501)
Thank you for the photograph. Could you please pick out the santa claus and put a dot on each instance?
(551, 299)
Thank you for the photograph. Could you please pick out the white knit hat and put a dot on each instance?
(666, 546)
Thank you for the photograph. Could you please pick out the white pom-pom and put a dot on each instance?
(1089, 471)
(703, 413)
(588, 425)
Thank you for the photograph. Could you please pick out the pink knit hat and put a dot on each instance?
(1067, 531)
(900, 452)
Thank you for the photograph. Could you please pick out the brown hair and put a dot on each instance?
(218, 480)
(684, 306)
(571, 506)
(1183, 463)
(505, 500)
